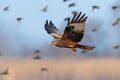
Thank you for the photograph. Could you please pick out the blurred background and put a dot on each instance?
(22, 32)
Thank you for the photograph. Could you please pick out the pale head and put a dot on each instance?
(54, 42)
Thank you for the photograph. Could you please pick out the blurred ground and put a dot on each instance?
(60, 69)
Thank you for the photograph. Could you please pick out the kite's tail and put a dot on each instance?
(86, 47)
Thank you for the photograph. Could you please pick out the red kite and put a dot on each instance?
(73, 33)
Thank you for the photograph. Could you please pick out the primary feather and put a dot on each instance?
(52, 30)
(75, 28)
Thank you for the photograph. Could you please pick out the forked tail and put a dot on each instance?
(86, 47)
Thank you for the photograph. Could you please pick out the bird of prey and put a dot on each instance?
(73, 33)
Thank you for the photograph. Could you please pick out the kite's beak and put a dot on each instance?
(52, 43)
(74, 49)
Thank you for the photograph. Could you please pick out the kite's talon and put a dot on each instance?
(74, 49)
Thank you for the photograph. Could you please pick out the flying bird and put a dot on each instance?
(73, 33)
(116, 22)
(94, 29)
(114, 7)
(65, 0)
(95, 7)
(71, 5)
(116, 46)
(6, 8)
(19, 19)
(37, 56)
(44, 69)
(45, 8)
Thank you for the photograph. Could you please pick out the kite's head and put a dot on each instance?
(54, 42)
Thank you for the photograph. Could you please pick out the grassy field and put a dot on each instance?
(60, 69)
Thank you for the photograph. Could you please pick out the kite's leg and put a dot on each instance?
(74, 49)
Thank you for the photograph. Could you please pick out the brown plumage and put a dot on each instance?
(73, 33)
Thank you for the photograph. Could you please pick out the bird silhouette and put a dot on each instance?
(45, 9)
(116, 22)
(95, 7)
(71, 5)
(6, 8)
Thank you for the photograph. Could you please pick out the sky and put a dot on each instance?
(23, 38)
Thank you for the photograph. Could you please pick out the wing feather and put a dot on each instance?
(52, 30)
(75, 29)
(73, 18)
(78, 16)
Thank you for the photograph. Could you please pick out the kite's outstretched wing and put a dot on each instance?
(52, 30)
(75, 28)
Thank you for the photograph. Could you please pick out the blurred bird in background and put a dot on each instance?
(37, 56)
(94, 29)
(19, 19)
(6, 8)
(74, 12)
(95, 7)
(65, 0)
(5, 72)
(71, 5)
(114, 7)
(116, 46)
(44, 69)
(116, 22)
(45, 8)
